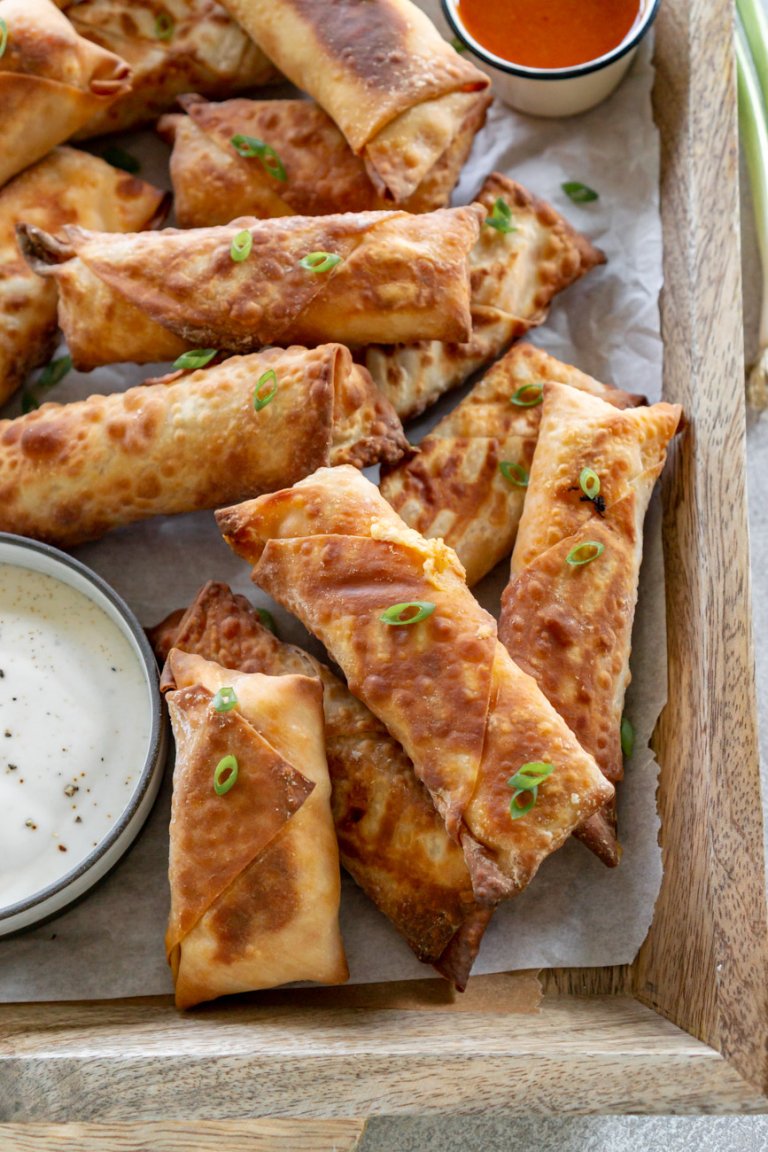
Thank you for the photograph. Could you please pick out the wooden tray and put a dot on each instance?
(683, 1029)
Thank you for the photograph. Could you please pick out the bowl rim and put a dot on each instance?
(572, 72)
(155, 758)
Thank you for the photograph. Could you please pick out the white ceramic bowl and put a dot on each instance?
(95, 792)
(556, 91)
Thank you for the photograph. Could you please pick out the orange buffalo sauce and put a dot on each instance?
(549, 33)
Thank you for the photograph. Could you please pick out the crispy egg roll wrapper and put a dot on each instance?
(213, 184)
(67, 187)
(514, 278)
(452, 485)
(397, 90)
(51, 82)
(72, 472)
(391, 839)
(205, 52)
(333, 552)
(571, 627)
(254, 873)
(152, 295)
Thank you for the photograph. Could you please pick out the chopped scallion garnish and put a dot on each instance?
(267, 620)
(409, 612)
(3, 36)
(164, 26)
(459, 45)
(579, 193)
(518, 805)
(53, 373)
(261, 397)
(319, 261)
(225, 775)
(224, 700)
(531, 774)
(627, 737)
(248, 146)
(119, 158)
(515, 473)
(584, 553)
(195, 358)
(500, 217)
(528, 395)
(240, 248)
(589, 482)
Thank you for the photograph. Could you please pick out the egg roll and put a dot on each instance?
(467, 479)
(150, 296)
(254, 867)
(333, 552)
(391, 839)
(51, 81)
(70, 473)
(514, 277)
(567, 611)
(382, 72)
(173, 46)
(310, 171)
(67, 187)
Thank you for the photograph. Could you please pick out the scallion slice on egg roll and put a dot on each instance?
(567, 611)
(352, 278)
(72, 472)
(254, 865)
(394, 611)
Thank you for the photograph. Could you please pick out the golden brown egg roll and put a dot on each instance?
(567, 611)
(381, 70)
(71, 472)
(150, 296)
(514, 275)
(391, 839)
(332, 551)
(310, 171)
(51, 81)
(67, 187)
(254, 867)
(172, 46)
(467, 479)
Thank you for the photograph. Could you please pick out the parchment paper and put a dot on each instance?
(576, 912)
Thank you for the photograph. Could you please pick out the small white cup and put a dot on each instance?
(555, 91)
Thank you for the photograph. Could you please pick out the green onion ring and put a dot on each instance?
(267, 620)
(225, 775)
(195, 358)
(319, 261)
(500, 217)
(530, 775)
(535, 391)
(579, 193)
(240, 248)
(584, 553)
(164, 26)
(224, 700)
(259, 401)
(515, 809)
(515, 473)
(627, 737)
(589, 482)
(3, 36)
(394, 614)
(248, 146)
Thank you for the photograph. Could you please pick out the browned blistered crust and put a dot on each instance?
(571, 627)
(334, 552)
(391, 839)
(452, 486)
(514, 278)
(72, 472)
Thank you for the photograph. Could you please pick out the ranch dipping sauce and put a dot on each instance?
(75, 729)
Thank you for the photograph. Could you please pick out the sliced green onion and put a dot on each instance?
(627, 737)
(531, 775)
(579, 193)
(164, 26)
(396, 614)
(515, 473)
(500, 217)
(528, 395)
(589, 482)
(516, 809)
(3, 36)
(225, 775)
(584, 553)
(260, 401)
(53, 373)
(319, 261)
(240, 248)
(119, 158)
(224, 700)
(195, 358)
(267, 620)
(459, 45)
(248, 146)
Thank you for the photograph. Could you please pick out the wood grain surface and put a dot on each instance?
(193, 1136)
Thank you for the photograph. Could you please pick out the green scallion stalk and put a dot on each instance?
(224, 700)
(164, 26)
(267, 620)
(53, 373)
(3, 36)
(225, 775)
(409, 612)
(515, 473)
(240, 248)
(266, 389)
(751, 56)
(195, 358)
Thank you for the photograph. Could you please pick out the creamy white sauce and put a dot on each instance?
(75, 729)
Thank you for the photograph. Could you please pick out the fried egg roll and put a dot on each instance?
(305, 280)
(517, 267)
(70, 473)
(467, 479)
(66, 187)
(391, 839)
(302, 164)
(51, 81)
(254, 866)
(382, 72)
(567, 611)
(395, 613)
